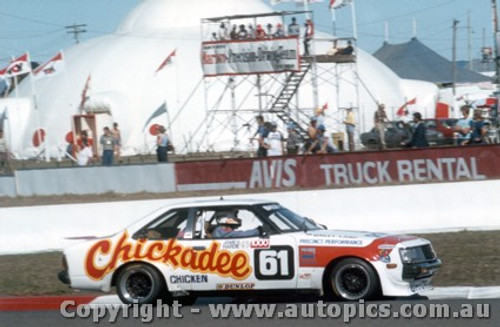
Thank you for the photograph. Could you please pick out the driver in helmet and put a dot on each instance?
(227, 227)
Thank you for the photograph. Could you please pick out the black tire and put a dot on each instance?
(140, 283)
(354, 279)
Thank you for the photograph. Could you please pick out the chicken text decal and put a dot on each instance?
(104, 256)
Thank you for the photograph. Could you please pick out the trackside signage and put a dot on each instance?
(346, 169)
(250, 56)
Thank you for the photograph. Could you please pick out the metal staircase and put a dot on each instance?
(281, 102)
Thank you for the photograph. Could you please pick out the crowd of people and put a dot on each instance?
(267, 31)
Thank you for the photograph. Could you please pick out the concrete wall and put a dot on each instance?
(96, 180)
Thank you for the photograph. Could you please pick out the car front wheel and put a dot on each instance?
(139, 283)
(354, 279)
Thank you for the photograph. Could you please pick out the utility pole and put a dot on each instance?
(469, 40)
(497, 54)
(455, 23)
(76, 30)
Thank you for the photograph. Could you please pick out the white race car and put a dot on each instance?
(226, 246)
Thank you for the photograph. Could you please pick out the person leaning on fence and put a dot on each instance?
(380, 119)
(293, 28)
(162, 142)
(350, 127)
(262, 132)
(108, 143)
(418, 138)
(293, 140)
(463, 126)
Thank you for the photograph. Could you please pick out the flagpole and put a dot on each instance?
(37, 114)
(354, 22)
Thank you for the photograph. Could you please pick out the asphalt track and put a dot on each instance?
(203, 318)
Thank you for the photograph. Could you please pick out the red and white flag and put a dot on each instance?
(51, 68)
(86, 89)
(3, 73)
(19, 66)
(336, 4)
(402, 110)
(167, 61)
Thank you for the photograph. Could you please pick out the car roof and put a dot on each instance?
(219, 202)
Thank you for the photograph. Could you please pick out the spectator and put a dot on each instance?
(479, 128)
(279, 31)
(308, 35)
(234, 33)
(261, 133)
(380, 120)
(350, 128)
(162, 145)
(84, 156)
(293, 141)
(322, 144)
(214, 37)
(4, 153)
(242, 33)
(269, 30)
(222, 33)
(260, 33)
(275, 141)
(312, 133)
(349, 50)
(108, 147)
(251, 31)
(463, 126)
(293, 28)
(118, 140)
(319, 113)
(418, 138)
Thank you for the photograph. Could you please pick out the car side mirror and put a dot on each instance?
(263, 232)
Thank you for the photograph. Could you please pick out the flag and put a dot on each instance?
(158, 112)
(84, 93)
(325, 106)
(19, 66)
(336, 4)
(51, 68)
(402, 110)
(3, 73)
(167, 61)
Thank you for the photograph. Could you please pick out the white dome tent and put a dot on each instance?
(123, 74)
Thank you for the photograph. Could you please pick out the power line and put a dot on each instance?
(76, 30)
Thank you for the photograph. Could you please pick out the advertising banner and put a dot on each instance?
(343, 169)
(258, 56)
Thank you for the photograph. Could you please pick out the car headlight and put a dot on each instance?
(417, 254)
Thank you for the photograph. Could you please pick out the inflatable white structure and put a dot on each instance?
(125, 86)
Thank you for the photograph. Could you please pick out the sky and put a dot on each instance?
(39, 26)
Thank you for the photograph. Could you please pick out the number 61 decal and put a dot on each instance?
(274, 263)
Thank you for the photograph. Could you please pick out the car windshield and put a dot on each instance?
(286, 220)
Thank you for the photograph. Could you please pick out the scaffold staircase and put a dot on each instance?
(281, 102)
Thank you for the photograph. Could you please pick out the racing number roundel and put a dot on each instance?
(275, 262)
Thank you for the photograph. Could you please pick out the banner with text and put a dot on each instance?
(341, 170)
(250, 56)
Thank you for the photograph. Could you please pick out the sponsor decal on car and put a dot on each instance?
(212, 260)
(235, 286)
(188, 279)
(307, 255)
(235, 244)
(259, 244)
(329, 241)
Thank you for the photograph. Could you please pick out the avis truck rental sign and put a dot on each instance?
(187, 250)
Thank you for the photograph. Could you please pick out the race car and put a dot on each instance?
(221, 247)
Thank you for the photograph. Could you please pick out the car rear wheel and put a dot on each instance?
(353, 279)
(139, 283)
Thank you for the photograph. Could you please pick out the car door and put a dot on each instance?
(252, 262)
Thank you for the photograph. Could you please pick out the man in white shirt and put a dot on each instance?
(275, 142)
(84, 156)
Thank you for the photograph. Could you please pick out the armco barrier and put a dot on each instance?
(343, 169)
